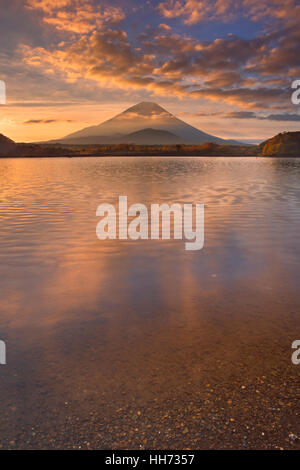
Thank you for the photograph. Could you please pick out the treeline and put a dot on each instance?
(285, 144)
(209, 149)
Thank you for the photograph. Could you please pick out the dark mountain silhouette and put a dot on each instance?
(151, 137)
(284, 144)
(9, 148)
(143, 116)
(5, 140)
(6, 145)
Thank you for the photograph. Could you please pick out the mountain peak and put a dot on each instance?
(145, 108)
(140, 117)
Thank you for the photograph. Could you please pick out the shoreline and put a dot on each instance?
(284, 145)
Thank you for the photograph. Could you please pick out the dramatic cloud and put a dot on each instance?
(237, 71)
(216, 70)
(78, 16)
(197, 11)
(61, 52)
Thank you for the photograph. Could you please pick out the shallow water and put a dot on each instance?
(128, 343)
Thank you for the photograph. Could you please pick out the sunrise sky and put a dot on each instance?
(224, 66)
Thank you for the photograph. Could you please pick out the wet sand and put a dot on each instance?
(159, 384)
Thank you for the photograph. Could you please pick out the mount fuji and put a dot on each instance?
(145, 123)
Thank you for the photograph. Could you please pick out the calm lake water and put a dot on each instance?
(141, 344)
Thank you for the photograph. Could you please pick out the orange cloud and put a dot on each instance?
(216, 71)
(165, 27)
(77, 16)
(248, 73)
(197, 11)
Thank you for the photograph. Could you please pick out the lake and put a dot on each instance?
(142, 344)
